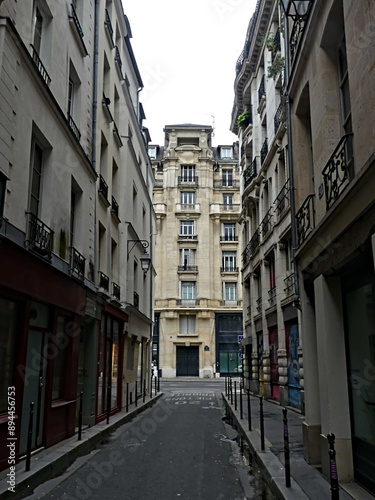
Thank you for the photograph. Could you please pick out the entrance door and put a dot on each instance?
(274, 367)
(34, 390)
(187, 361)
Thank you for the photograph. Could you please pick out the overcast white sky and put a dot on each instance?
(186, 52)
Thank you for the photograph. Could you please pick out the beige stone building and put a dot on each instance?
(198, 299)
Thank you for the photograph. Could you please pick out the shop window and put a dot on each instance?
(7, 347)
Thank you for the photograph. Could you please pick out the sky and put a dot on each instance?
(186, 52)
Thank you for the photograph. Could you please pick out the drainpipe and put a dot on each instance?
(94, 121)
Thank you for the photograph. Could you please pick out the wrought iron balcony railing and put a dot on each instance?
(339, 170)
(298, 29)
(77, 263)
(259, 305)
(38, 63)
(136, 300)
(108, 25)
(185, 268)
(277, 118)
(261, 90)
(245, 50)
(39, 236)
(277, 44)
(282, 201)
(103, 281)
(289, 283)
(74, 127)
(255, 241)
(76, 21)
(118, 60)
(266, 223)
(272, 296)
(116, 291)
(264, 151)
(103, 187)
(305, 219)
(114, 207)
(251, 172)
(229, 237)
(229, 269)
(190, 180)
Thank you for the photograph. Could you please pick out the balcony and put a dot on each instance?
(226, 184)
(77, 30)
(229, 238)
(116, 135)
(187, 302)
(77, 264)
(103, 281)
(250, 172)
(136, 300)
(261, 91)
(229, 269)
(118, 62)
(38, 63)
(339, 170)
(108, 27)
(103, 190)
(277, 119)
(188, 207)
(116, 291)
(305, 219)
(230, 303)
(264, 151)
(289, 284)
(74, 127)
(259, 305)
(187, 269)
(266, 223)
(105, 103)
(115, 209)
(188, 237)
(282, 201)
(225, 208)
(39, 236)
(272, 296)
(187, 180)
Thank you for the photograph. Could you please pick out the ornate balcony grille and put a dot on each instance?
(229, 269)
(187, 269)
(255, 242)
(259, 304)
(251, 172)
(261, 90)
(246, 254)
(116, 291)
(39, 236)
(282, 201)
(305, 219)
(108, 24)
(245, 50)
(38, 63)
(266, 223)
(289, 283)
(272, 296)
(118, 59)
(229, 237)
(103, 281)
(264, 151)
(103, 187)
(114, 207)
(298, 29)
(338, 172)
(77, 264)
(74, 127)
(136, 300)
(76, 21)
(277, 117)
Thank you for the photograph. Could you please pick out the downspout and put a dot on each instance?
(94, 120)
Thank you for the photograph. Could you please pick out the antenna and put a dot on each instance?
(213, 123)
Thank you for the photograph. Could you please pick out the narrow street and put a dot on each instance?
(180, 448)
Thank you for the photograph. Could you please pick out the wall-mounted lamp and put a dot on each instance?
(296, 8)
(145, 257)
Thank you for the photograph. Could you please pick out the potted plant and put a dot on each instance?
(243, 119)
(276, 67)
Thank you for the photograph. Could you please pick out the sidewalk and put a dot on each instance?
(51, 462)
(306, 481)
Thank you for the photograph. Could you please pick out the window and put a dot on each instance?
(188, 290)
(230, 291)
(187, 325)
(229, 232)
(187, 257)
(152, 152)
(70, 96)
(187, 173)
(191, 141)
(38, 26)
(228, 199)
(227, 177)
(36, 177)
(272, 273)
(344, 86)
(3, 181)
(187, 198)
(229, 261)
(59, 363)
(187, 228)
(226, 152)
(8, 315)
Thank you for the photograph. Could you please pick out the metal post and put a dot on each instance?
(156, 386)
(286, 449)
(108, 402)
(151, 385)
(80, 416)
(144, 390)
(231, 392)
(335, 492)
(136, 393)
(249, 408)
(127, 397)
(262, 445)
(235, 395)
(29, 437)
(241, 409)
(159, 382)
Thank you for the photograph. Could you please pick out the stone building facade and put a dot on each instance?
(198, 299)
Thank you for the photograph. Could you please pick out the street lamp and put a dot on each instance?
(145, 257)
(296, 8)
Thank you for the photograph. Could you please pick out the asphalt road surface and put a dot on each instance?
(181, 448)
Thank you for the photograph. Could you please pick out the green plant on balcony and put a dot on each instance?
(243, 119)
(270, 42)
(276, 67)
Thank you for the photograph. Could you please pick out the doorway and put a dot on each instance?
(187, 361)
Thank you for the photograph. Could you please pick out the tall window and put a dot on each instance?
(188, 290)
(187, 173)
(228, 199)
(344, 86)
(187, 257)
(187, 228)
(229, 261)
(187, 325)
(38, 26)
(187, 197)
(229, 232)
(36, 177)
(227, 177)
(230, 291)
(70, 96)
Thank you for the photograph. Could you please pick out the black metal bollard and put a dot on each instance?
(241, 407)
(144, 390)
(127, 397)
(235, 395)
(108, 402)
(29, 437)
(262, 445)
(136, 393)
(151, 386)
(335, 491)
(156, 387)
(249, 409)
(286, 449)
(80, 416)
(231, 391)
(159, 383)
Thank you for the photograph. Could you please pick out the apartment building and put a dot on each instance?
(328, 93)
(72, 141)
(198, 297)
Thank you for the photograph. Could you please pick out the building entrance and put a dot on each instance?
(187, 361)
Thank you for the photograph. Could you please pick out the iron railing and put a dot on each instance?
(103, 281)
(39, 236)
(229, 237)
(246, 48)
(193, 237)
(305, 219)
(74, 127)
(108, 24)
(272, 296)
(77, 263)
(264, 151)
(190, 180)
(261, 90)
(114, 207)
(282, 201)
(103, 187)
(266, 223)
(76, 21)
(188, 268)
(38, 63)
(116, 290)
(259, 304)
(118, 59)
(229, 269)
(250, 172)
(277, 118)
(289, 283)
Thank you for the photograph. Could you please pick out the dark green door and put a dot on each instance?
(187, 361)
